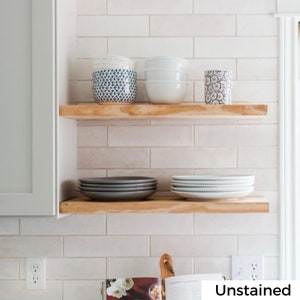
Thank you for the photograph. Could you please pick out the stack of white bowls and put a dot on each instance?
(166, 79)
(114, 79)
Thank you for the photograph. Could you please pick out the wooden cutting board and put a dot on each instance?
(166, 270)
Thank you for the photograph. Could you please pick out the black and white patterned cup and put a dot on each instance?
(218, 86)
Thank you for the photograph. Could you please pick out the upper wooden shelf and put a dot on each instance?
(96, 111)
(165, 202)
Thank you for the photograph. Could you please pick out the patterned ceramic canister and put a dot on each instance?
(218, 85)
(114, 86)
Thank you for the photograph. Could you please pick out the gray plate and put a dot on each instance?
(125, 185)
(113, 189)
(118, 180)
(119, 196)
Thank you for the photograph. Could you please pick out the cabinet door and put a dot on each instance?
(27, 112)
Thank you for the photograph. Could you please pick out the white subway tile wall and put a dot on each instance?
(82, 250)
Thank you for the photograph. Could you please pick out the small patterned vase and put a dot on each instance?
(218, 85)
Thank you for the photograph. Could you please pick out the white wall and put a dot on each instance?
(82, 250)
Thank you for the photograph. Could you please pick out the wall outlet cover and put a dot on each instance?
(35, 273)
(247, 267)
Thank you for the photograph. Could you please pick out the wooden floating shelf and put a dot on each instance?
(166, 202)
(189, 110)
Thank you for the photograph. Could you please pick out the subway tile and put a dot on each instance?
(261, 91)
(183, 265)
(213, 265)
(9, 268)
(141, 94)
(266, 179)
(85, 173)
(147, 267)
(193, 157)
(257, 69)
(91, 7)
(83, 69)
(76, 268)
(97, 26)
(126, 224)
(15, 289)
(165, 7)
(192, 25)
(81, 91)
(91, 47)
(163, 176)
(106, 246)
(150, 136)
(70, 225)
(152, 46)
(196, 245)
(132, 267)
(256, 157)
(235, 47)
(116, 122)
(91, 136)
(271, 267)
(236, 224)
(288, 6)
(239, 135)
(113, 158)
(30, 247)
(197, 67)
(192, 121)
(9, 226)
(272, 198)
(235, 7)
(84, 289)
(266, 245)
(255, 25)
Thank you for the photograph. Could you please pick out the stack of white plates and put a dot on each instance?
(212, 187)
(122, 188)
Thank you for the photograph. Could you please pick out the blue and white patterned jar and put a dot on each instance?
(114, 86)
(218, 86)
(114, 79)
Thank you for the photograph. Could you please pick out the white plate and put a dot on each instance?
(206, 196)
(218, 190)
(195, 184)
(213, 177)
(211, 182)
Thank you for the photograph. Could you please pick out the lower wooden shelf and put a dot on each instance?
(165, 202)
(145, 110)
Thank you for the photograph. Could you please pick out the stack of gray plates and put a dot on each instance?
(212, 187)
(129, 188)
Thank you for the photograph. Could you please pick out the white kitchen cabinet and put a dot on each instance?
(28, 110)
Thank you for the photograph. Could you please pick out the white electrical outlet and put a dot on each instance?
(35, 273)
(247, 267)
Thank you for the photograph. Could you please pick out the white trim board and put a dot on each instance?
(289, 127)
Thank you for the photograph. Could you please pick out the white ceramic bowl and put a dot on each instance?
(167, 62)
(162, 74)
(165, 91)
(114, 62)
